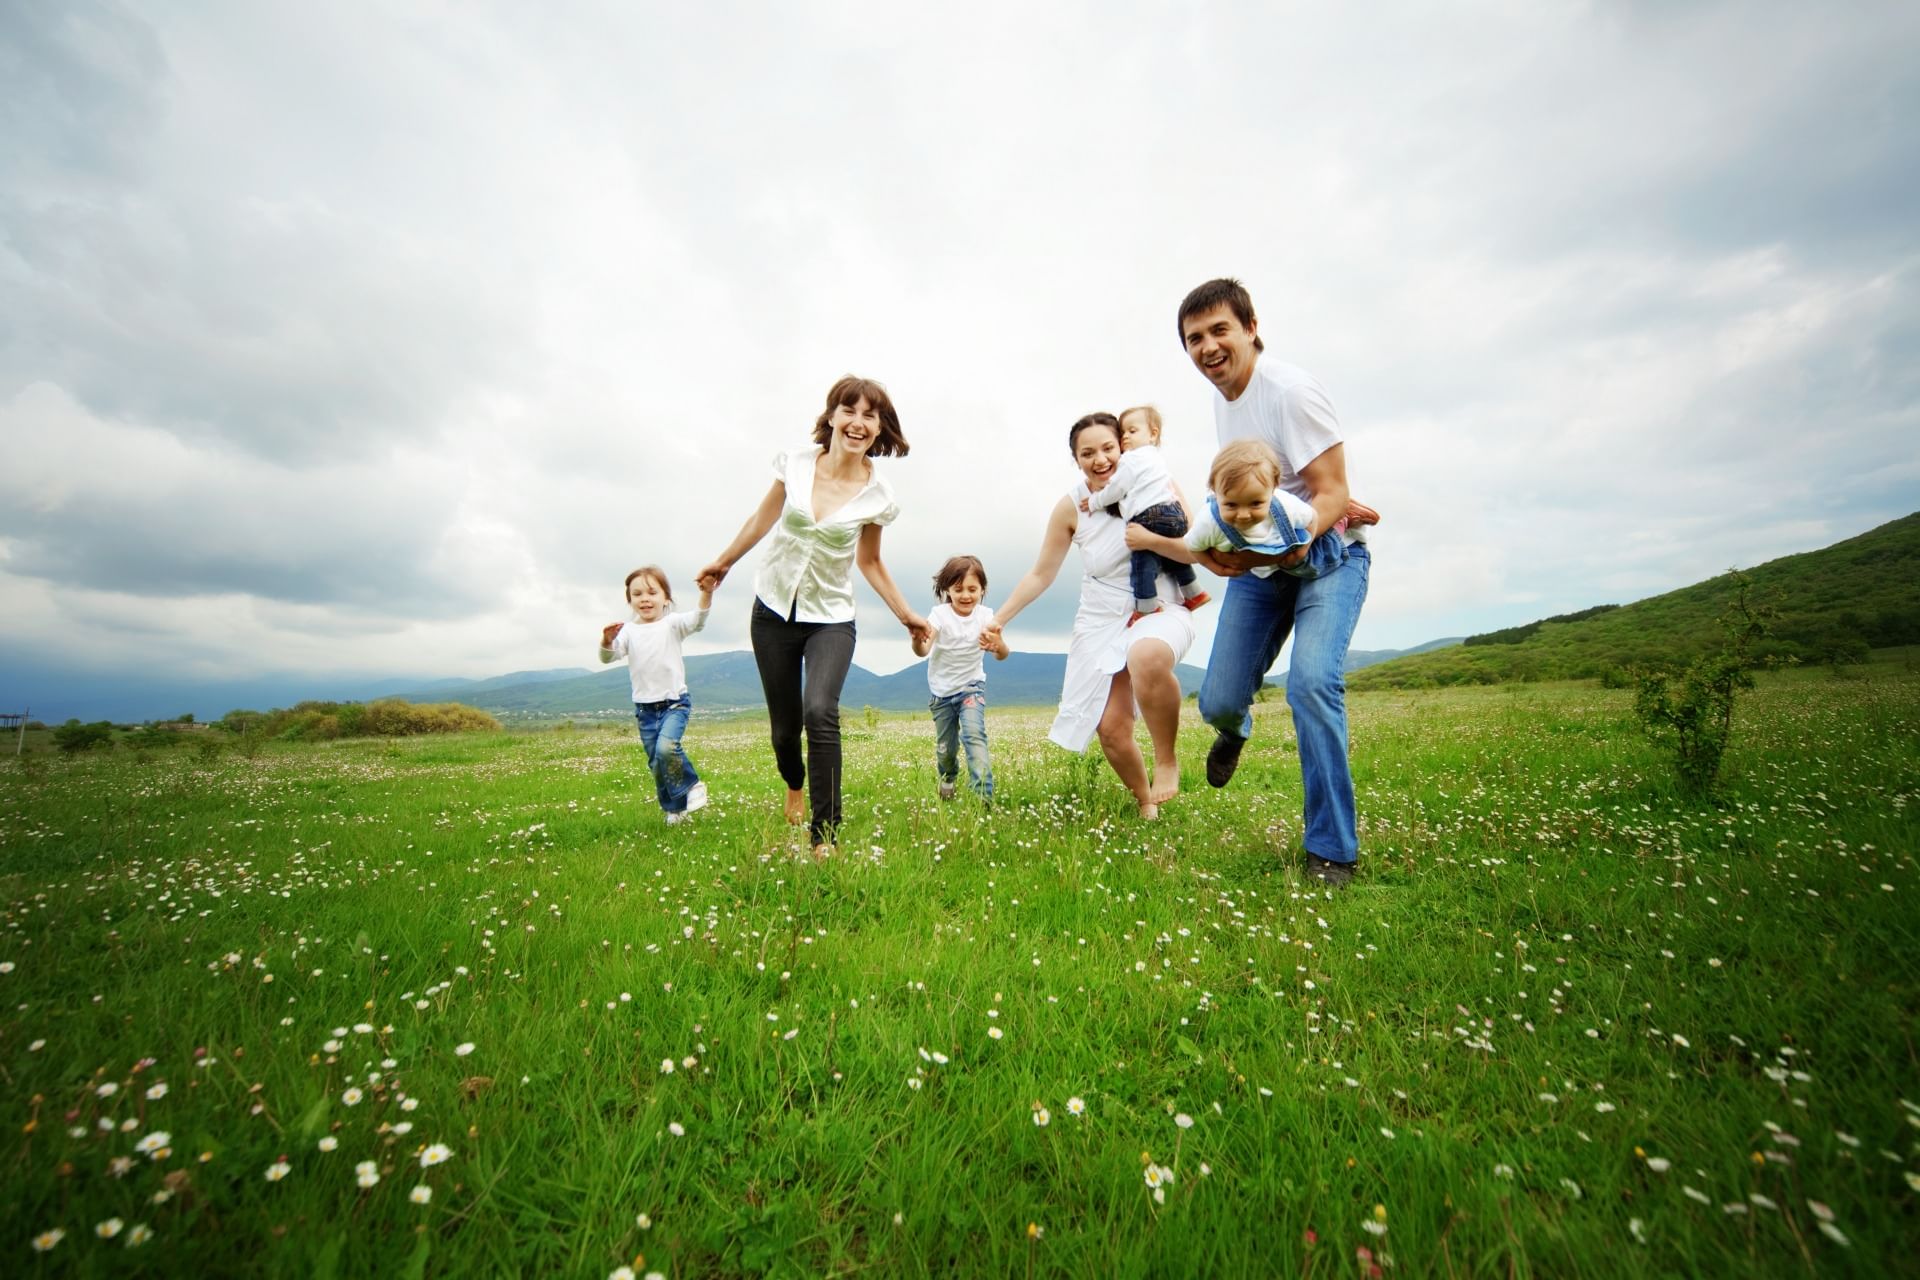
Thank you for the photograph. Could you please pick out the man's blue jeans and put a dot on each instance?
(1255, 619)
(960, 720)
(662, 725)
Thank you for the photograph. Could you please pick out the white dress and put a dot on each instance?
(1101, 636)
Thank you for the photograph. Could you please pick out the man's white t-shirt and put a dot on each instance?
(955, 660)
(652, 651)
(1286, 407)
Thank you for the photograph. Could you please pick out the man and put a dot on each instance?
(1265, 399)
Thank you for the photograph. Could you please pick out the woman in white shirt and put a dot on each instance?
(1112, 668)
(826, 509)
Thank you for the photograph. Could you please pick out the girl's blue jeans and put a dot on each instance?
(1320, 613)
(662, 725)
(960, 721)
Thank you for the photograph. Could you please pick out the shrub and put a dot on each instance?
(1694, 719)
(74, 736)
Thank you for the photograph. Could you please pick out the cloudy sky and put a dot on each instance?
(374, 339)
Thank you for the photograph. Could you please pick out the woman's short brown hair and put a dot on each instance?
(1241, 459)
(849, 391)
(655, 572)
(955, 571)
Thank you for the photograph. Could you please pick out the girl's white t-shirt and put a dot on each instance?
(956, 658)
(652, 651)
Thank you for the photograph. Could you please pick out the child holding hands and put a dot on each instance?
(651, 645)
(956, 673)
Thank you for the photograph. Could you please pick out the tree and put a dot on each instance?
(1693, 719)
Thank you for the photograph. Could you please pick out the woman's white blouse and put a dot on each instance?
(807, 573)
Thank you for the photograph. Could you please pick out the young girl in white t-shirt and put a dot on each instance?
(651, 645)
(956, 673)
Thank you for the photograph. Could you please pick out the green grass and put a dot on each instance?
(1834, 603)
(1551, 975)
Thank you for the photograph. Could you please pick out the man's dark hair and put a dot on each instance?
(1225, 291)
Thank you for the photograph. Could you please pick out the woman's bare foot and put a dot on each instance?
(1166, 783)
(821, 852)
(796, 808)
(1149, 811)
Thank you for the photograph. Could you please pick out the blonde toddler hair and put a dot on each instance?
(1241, 460)
(1153, 419)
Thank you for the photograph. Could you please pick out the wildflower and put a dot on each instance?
(621, 1273)
(120, 1166)
(462, 1050)
(1659, 1164)
(402, 1129)
(139, 1235)
(1035, 1231)
(1573, 1188)
(154, 1142)
(1503, 1171)
(1692, 1194)
(108, 1089)
(666, 1066)
(329, 1142)
(421, 1194)
(913, 1082)
(109, 1229)
(644, 1222)
(1183, 1120)
(367, 1173)
(47, 1239)
(1385, 1132)
(157, 1092)
(1638, 1229)
(1076, 1106)
(1377, 1224)
(278, 1170)
(409, 1104)
(1834, 1234)
(438, 1153)
(352, 1096)
(993, 1032)
(675, 1128)
(1041, 1116)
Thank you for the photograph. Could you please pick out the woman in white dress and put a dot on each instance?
(1111, 668)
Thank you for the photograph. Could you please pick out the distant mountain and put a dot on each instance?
(1834, 603)
(729, 682)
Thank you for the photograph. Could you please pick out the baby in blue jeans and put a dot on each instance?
(956, 674)
(1141, 492)
(1248, 511)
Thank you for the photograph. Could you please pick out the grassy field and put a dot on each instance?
(1563, 1024)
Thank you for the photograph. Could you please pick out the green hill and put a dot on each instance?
(1834, 603)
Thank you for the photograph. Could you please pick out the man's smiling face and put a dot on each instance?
(1221, 348)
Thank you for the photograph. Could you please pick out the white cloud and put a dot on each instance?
(399, 337)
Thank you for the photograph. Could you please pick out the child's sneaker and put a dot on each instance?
(675, 819)
(1137, 615)
(697, 797)
(946, 791)
(1197, 599)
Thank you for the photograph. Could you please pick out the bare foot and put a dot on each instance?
(1149, 811)
(821, 852)
(1166, 782)
(796, 808)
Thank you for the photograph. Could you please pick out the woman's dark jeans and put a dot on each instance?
(803, 666)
